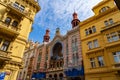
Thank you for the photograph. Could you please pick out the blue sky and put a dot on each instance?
(58, 13)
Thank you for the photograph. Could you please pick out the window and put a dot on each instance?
(108, 38)
(22, 8)
(90, 31)
(16, 5)
(92, 61)
(73, 59)
(116, 57)
(67, 48)
(15, 24)
(104, 9)
(46, 56)
(106, 23)
(8, 20)
(5, 45)
(111, 21)
(90, 45)
(39, 58)
(100, 61)
(86, 32)
(0, 40)
(38, 66)
(95, 42)
(114, 36)
(94, 29)
(67, 61)
(118, 34)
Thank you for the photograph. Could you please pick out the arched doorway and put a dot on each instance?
(50, 77)
(61, 76)
(55, 76)
(57, 51)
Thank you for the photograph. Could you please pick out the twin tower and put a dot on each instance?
(74, 23)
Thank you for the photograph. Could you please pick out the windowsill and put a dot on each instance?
(94, 50)
(98, 67)
(112, 43)
(90, 34)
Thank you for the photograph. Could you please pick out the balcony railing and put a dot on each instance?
(9, 29)
(5, 55)
(21, 10)
(110, 26)
(117, 65)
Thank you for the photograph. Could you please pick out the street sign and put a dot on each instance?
(2, 75)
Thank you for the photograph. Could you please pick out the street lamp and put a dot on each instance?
(117, 3)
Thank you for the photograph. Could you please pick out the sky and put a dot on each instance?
(58, 13)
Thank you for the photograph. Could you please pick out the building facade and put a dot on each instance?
(100, 37)
(14, 32)
(61, 57)
(26, 72)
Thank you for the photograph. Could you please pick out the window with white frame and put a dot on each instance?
(116, 56)
(106, 23)
(92, 61)
(86, 32)
(114, 36)
(104, 9)
(94, 29)
(90, 45)
(100, 61)
(8, 20)
(95, 42)
(22, 8)
(90, 30)
(16, 5)
(111, 21)
(108, 38)
(5, 45)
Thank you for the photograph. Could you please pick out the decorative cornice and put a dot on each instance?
(111, 10)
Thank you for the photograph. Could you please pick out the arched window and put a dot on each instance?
(15, 24)
(86, 32)
(104, 9)
(73, 59)
(90, 31)
(93, 29)
(7, 20)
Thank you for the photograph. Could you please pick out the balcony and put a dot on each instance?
(117, 65)
(17, 9)
(110, 26)
(8, 30)
(5, 55)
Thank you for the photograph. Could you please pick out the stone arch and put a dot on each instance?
(61, 76)
(55, 76)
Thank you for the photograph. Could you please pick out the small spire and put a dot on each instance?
(75, 20)
(47, 36)
(57, 31)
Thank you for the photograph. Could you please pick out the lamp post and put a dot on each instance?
(117, 3)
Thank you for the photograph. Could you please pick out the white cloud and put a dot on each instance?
(58, 13)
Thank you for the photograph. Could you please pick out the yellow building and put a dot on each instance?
(100, 36)
(16, 18)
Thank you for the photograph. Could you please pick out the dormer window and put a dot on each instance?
(104, 9)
